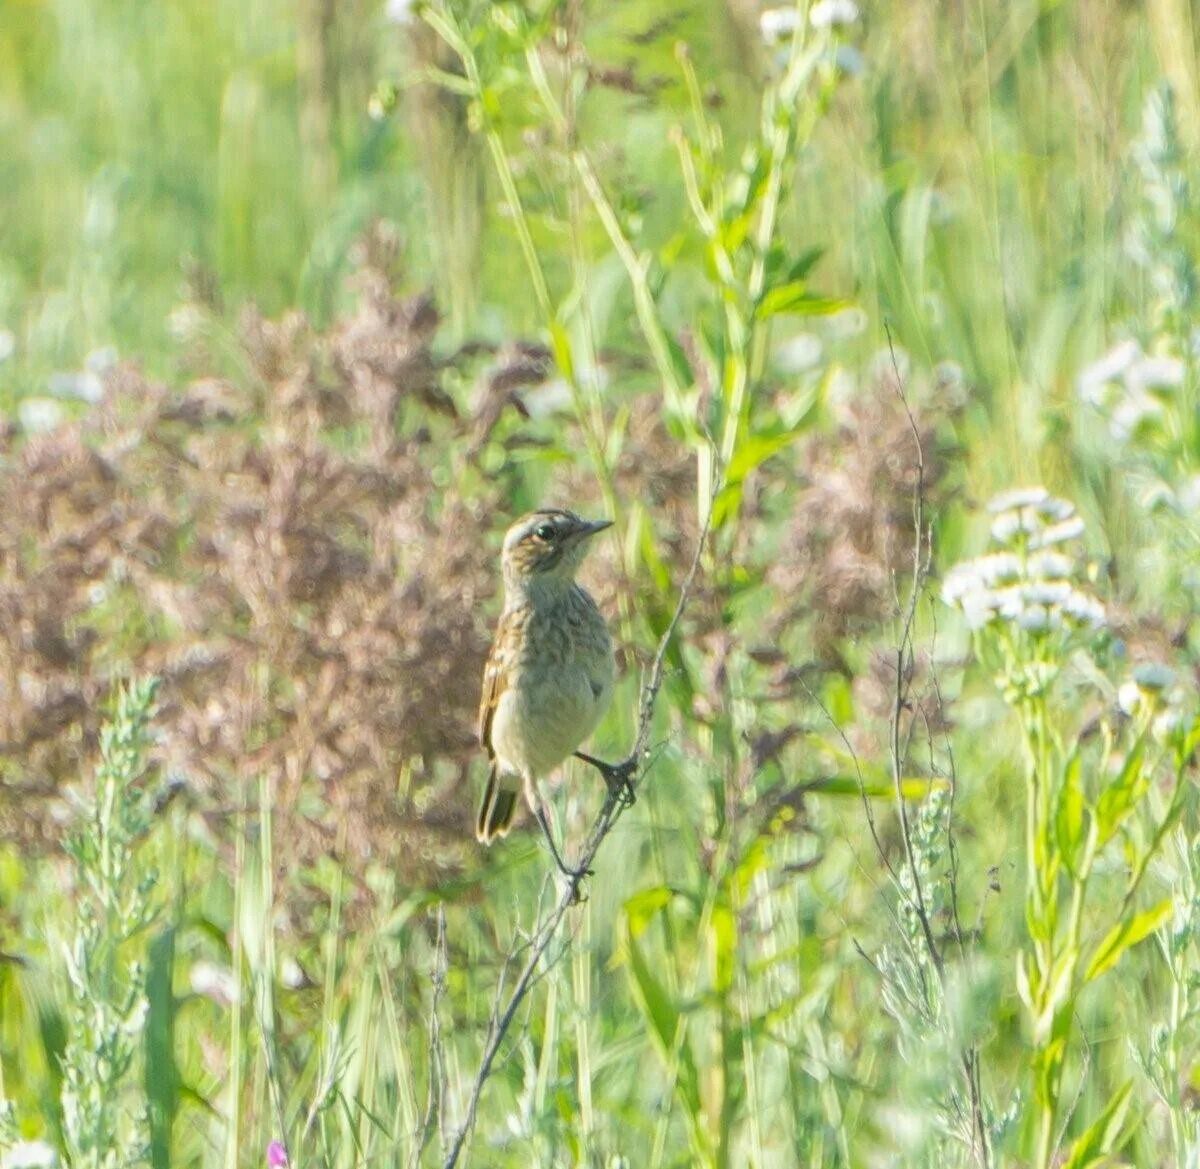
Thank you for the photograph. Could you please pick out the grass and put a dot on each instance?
(808, 303)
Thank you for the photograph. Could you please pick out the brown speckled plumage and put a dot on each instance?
(548, 680)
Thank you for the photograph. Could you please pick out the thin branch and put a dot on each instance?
(922, 558)
(904, 653)
(614, 804)
(868, 810)
(436, 1095)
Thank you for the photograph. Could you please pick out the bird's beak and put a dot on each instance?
(590, 527)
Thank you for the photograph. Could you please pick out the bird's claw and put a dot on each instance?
(618, 777)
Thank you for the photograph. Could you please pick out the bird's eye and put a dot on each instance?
(544, 532)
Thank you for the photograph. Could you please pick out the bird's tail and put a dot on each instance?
(496, 810)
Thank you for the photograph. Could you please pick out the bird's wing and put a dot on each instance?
(495, 678)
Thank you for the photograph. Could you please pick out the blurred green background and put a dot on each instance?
(983, 198)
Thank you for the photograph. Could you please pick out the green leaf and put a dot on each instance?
(1046, 1063)
(755, 860)
(723, 935)
(684, 374)
(782, 269)
(1122, 795)
(1098, 1141)
(794, 298)
(1058, 995)
(449, 81)
(745, 188)
(732, 233)
(665, 1020)
(444, 29)
(839, 701)
(751, 453)
(161, 1076)
(643, 907)
(912, 787)
(560, 346)
(1026, 988)
(1069, 821)
(756, 449)
(1126, 934)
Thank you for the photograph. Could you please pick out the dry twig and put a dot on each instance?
(615, 803)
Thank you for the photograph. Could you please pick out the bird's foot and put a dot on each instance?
(575, 876)
(617, 776)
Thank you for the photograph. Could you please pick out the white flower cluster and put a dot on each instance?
(1153, 693)
(775, 24)
(29, 1155)
(1028, 580)
(1130, 387)
(827, 13)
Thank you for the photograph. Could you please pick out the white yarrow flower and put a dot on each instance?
(1131, 413)
(1050, 592)
(827, 13)
(1085, 610)
(1024, 584)
(799, 353)
(399, 11)
(101, 360)
(1154, 676)
(776, 23)
(998, 568)
(1011, 523)
(1107, 369)
(962, 580)
(1050, 566)
(1130, 698)
(1154, 373)
(978, 608)
(39, 415)
(1018, 497)
(85, 386)
(29, 1155)
(1070, 529)
(1168, 722)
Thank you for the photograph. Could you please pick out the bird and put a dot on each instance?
(549, 677)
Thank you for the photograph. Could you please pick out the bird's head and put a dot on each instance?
(547, 546)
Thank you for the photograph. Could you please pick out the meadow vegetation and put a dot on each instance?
(871, 327)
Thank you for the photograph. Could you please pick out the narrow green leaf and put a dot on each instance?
(1058, 996)
(682, 367)
(783, 269)
(1122, 795)
(560, 346)
(664, 1019)
(444, 29)
(723, 935)
(1098, 1141)
(1027, 987)
(449, 81)
(1126, 934)
(756, 449)
(794, 298)
(733, 232)
(643, 907)
(161, 1074)
(1069, 821)
(911, 787)
(1046, 1062)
